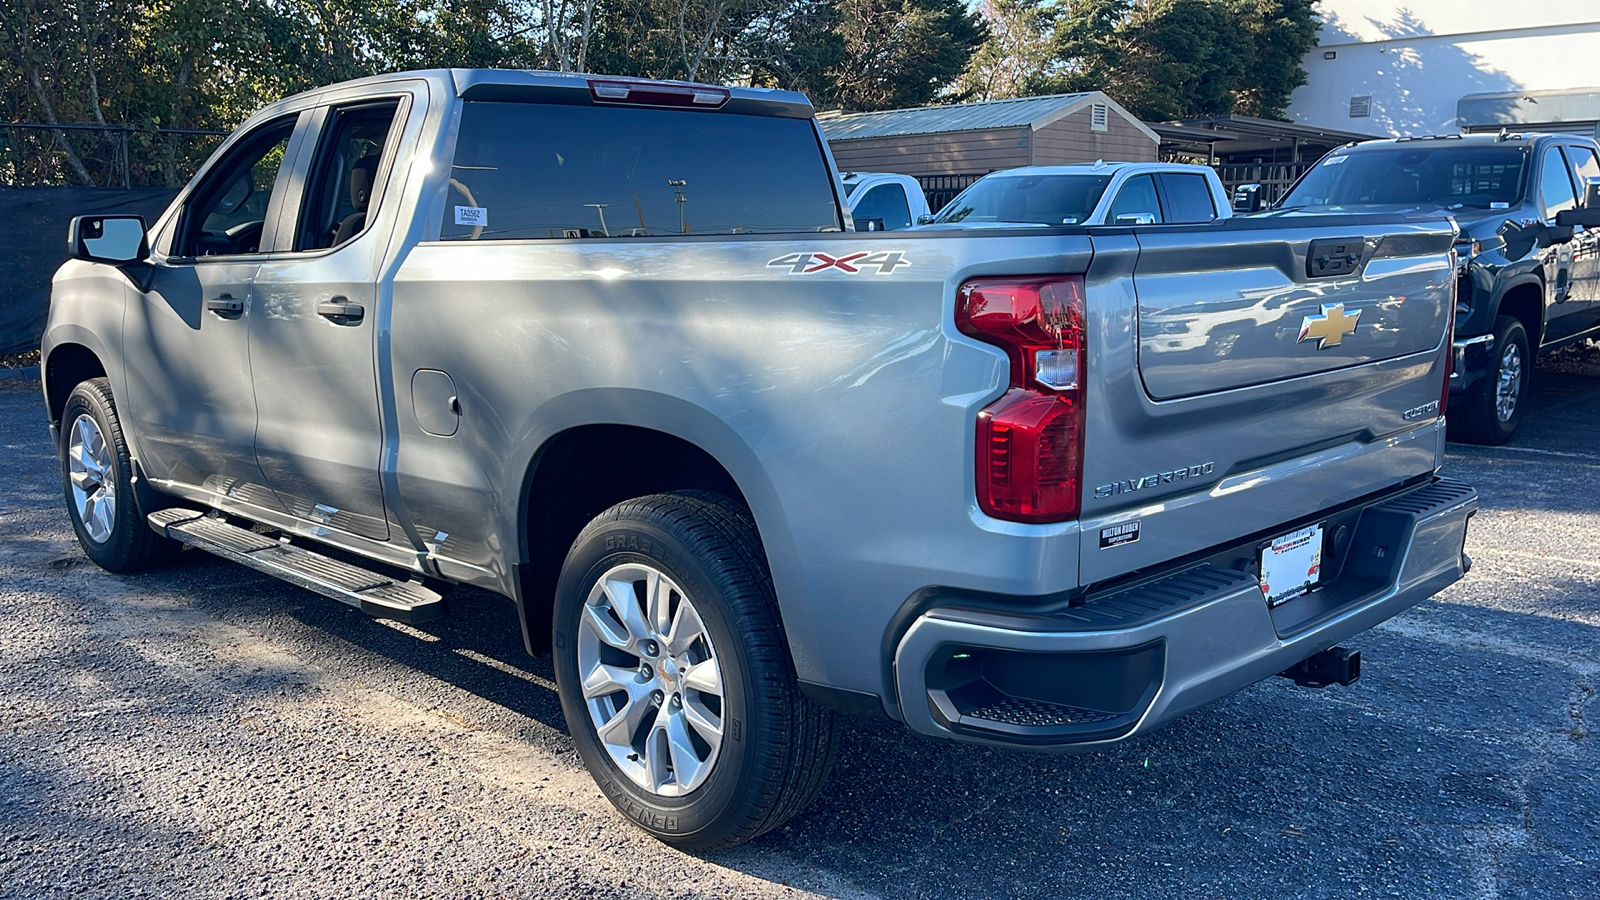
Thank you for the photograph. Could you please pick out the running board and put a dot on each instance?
(374, 594)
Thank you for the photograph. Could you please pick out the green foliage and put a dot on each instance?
(208, 64)
(1017, 52)
(1176, 59)
(899, 53)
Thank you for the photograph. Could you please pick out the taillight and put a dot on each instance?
(656, 93)
(1030, 441)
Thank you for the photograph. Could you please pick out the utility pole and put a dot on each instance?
(677, 189)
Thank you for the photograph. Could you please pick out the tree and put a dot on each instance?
(207, 64)
(1016, 52)
(795, 47)
(898, 53)
(1283, 32)
(1175, 59)
(695, 40)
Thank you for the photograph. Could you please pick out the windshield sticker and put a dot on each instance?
(1499, 204)
(1334, 160)
(472, 215)
(883, 262)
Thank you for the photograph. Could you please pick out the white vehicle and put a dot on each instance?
(884, 201)
(1099, 194)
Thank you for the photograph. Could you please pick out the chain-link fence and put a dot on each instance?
(121, 156)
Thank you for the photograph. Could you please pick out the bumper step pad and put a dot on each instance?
(372, 593)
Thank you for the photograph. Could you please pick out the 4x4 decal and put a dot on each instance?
(884, 261)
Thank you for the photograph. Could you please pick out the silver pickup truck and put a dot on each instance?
(614, 350)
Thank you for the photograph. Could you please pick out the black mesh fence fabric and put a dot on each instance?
(34, 223)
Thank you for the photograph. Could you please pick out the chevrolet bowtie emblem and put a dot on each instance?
(1329, 326)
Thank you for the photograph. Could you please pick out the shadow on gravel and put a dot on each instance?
(476, 647)
(1278, 791)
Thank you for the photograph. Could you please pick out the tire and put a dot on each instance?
(97, 482)
(691, 785)
(1489, 415)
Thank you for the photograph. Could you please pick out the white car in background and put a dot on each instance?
(1099, 194)
(884, 201)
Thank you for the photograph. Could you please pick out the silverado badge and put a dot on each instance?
(1329, 326)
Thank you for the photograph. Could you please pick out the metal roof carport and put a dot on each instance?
(948, 147)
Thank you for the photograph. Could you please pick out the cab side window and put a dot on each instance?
(886, 203)
(1584, 166)
(1187, 198)
(346, 175)
(227, 213)
(1555, 184)
(1136, 203)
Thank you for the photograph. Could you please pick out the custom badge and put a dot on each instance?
(1329, 327)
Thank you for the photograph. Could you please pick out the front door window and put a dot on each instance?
(227, 214)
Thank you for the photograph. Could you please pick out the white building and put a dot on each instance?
(1443, 66)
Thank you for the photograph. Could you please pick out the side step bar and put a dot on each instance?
(374, 594)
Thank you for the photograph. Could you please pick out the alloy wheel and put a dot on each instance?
(94, 483)
(652, 683)
(1509, 387)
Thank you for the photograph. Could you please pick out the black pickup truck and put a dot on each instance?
(1529, 276)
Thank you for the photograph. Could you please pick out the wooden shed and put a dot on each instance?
(978, 138)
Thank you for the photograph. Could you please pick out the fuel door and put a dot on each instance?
(434, 401)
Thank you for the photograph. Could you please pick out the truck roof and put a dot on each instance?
(1104, 168)
(533, 84)
(1510, 138)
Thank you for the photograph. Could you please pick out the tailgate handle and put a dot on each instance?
(225, 306)
(341, 310)
(1334, 256)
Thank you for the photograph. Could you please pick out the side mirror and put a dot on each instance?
(870, 224)
(1249, 198)
(1588, 217)
(108, 239)
(925, 219)
(1560, 233)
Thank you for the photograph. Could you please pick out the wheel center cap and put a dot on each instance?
(669, 674)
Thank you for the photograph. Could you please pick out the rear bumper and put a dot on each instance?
(1126, 662)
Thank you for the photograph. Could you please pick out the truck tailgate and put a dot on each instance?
(1227, 309)
(1212, 414)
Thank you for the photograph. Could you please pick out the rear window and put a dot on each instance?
(1449, 176)
(525, 170)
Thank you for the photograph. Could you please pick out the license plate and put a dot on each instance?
(1291, 565)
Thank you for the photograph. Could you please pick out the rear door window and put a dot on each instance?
(539, 171)
(346, 176)
(1187, 198)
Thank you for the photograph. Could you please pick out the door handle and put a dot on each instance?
(225, 306)
(341, 311)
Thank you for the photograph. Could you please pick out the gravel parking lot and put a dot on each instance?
(207, 731)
